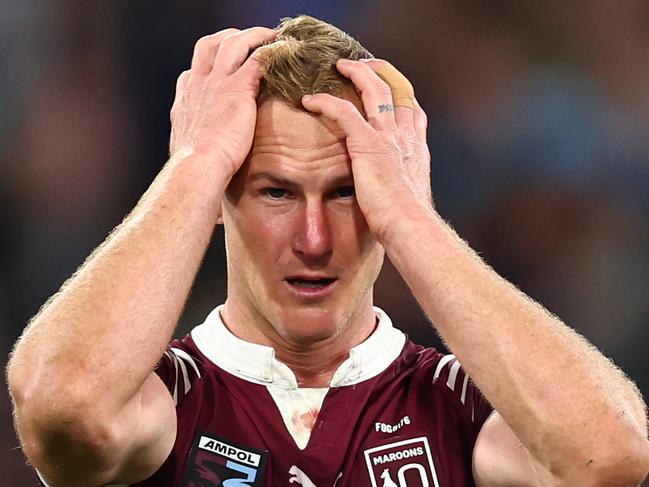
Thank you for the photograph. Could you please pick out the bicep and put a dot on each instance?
(501, 460)
(140, 439)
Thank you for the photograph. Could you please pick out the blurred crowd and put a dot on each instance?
(538, 128)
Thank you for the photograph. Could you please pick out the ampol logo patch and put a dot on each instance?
(216, 462)
(406, 463)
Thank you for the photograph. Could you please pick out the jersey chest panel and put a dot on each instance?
(397, 429)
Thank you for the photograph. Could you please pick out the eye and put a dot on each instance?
(345, 192)
(275, 193)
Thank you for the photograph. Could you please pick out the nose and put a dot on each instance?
(313, 239)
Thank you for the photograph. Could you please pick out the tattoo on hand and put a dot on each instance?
(385, 108)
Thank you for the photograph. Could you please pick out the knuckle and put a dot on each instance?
(227, 29)
(224, 32)
(212, 40)
(230, 39)
(174, 113)
(423, 117)
(347, 108)
(258, 30)
(182, 78)
(383, 89)
(344, 105)
(202, 44)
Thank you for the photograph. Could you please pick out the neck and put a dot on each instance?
(313, 360)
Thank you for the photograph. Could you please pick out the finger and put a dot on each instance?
(402, 91)
(181, 82)
(375, 93)
(343, 112)
(235, 48)
(205, 51)
(250, 73)
(181, 87)
(421, 122)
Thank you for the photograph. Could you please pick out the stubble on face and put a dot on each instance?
(311, 231)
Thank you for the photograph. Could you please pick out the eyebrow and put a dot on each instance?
(346, 179)
(276, 180)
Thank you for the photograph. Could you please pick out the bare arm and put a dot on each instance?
(574, 411)
(88, 408)
(580, 421)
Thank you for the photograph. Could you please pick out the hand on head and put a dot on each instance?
(388, 151)
(215, 108)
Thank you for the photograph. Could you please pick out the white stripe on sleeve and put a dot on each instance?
(464, 384)
(452, 376)
(183, 369)
(445, 359)
(187, 358)
(175, 393)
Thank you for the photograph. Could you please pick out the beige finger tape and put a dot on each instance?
(402, 91)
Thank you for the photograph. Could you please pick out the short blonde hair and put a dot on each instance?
(302, 60)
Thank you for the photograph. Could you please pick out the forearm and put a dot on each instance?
(103, 333)
(561, 397)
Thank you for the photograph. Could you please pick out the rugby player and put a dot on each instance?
(313, 155)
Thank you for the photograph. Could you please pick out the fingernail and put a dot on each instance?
(307, 98)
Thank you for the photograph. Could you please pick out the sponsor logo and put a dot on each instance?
(391, 428)
(217, 462)
(407, 463)
(216, 446)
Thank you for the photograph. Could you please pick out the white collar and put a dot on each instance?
(257, 363)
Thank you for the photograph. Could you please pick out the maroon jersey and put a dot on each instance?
(396, 414)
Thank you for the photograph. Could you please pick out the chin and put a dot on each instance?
(308, 325)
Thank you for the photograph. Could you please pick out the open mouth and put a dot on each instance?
(308, 283)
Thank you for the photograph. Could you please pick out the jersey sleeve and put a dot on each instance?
(449, 373)
(178, 369)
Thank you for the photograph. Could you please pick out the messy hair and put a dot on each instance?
(301, 61)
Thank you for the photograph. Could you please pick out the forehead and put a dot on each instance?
(283, 130)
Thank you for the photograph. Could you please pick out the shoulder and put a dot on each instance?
(444, 374)
(181, 366)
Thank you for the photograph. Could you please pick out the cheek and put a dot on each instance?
(262, 239)
(363, 239)
(357, 246)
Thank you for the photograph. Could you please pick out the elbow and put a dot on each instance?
(619, 464)
(631, 465)
(47, 396)
(614, 457)
(17, 382)
(628, 471)
(67, 434)
(627, 454)
(58, 421)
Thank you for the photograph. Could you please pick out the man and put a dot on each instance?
(297, 378)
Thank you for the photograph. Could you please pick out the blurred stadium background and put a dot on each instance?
(539, 131)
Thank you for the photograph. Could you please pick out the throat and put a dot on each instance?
(312, 369)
